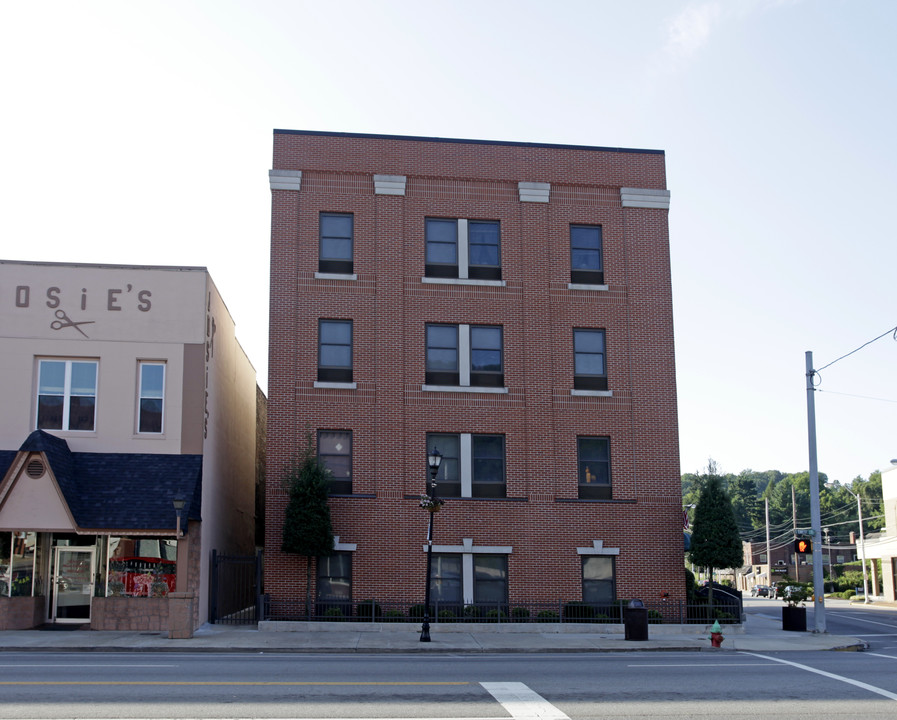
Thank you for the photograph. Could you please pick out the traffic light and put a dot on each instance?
(803, 546)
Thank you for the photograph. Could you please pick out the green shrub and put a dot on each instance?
(447, 615)
(394, 614)
(471, 611)
(520, 614)
(333, 612)
(547, 616)
(416, 611)
(368, 610)
(495, 614)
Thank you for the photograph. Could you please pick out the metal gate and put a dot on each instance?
(235, 589)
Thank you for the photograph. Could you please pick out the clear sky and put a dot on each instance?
(141, 133)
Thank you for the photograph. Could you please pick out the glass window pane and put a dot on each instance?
(589, 364)
(334, 443)
(586, 260)
(485, 360)
(582, 237)
(336, 356)
(81, 413)
(49, 412)
(483, 243)
(442, 336)
(52, 377)
(336, 249)
(336, 332)
(589, 341)
(152, 380)
(336, 226)
(593, 448)
(84, 378)
(450, 447)
(485, 338)
(442, 231)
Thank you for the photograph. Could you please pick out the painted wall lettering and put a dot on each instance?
(23, 295)
(53, 297)
(116, 298)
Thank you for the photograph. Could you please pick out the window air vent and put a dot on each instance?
(35, 469)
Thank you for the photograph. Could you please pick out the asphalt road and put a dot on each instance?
(875, 625)
(628, 685)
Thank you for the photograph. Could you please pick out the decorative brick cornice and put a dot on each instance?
(534, 191)
(285, 179)
(641, 198)
(389, 184)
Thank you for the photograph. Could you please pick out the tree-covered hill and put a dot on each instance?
(749, 489)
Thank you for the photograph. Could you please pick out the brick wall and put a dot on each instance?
(390, 415)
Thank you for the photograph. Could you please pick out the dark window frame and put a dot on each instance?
(479, 582)
(583, 380)
(341, 372)
(488, 378)
(338, 485)
(440, 376)
(439, 269)
(489, 271)
(602, 487)
(335, 262)
(583, 269)
(448, 479)
(592, 588)
(487, 489)
(328, 600)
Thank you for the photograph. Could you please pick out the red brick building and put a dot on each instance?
(508, 303)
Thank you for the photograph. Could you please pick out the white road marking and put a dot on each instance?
(889, 657)
(523, 703)
(849, 681)
(728, 664)
(859, 619)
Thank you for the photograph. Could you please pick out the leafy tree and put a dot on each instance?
(307, 529)
(715, 540)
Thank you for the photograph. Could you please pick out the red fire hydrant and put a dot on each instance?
(716, 635)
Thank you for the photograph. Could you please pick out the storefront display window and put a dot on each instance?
(141, 567)
(17, 566)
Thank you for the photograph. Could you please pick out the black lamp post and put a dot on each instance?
(434, 460)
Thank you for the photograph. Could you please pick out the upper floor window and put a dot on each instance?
(589, 360)
(336, 243)
(465, 355)
(335, 451)
(594, 468)
(586, 255)
(472, 465)
(466, 249)
(67, 395)
(335, 350)
(151, 398)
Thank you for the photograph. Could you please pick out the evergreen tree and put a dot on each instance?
(715, 541)
(307, 529)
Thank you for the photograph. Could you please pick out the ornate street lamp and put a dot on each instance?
(179, 502)
(430, 502)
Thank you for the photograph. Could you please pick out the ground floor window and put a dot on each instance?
(490, 579)
(334, 586)
(141, 566)
(598, 579)
(446, 580)
(18, 569)
(462, 579)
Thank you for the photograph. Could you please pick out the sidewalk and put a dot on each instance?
(759, 634)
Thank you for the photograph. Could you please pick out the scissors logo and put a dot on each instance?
(65, 321)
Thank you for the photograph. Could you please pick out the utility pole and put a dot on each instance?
(769, 581)
(815, 518)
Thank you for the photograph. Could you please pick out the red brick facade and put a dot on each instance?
(390, 409)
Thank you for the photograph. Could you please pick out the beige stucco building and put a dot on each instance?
(125, 390)
(883, 545)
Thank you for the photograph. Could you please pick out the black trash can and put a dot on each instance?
(635, 621)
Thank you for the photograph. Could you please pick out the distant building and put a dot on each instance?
(509, 304)
(124, 389)
(785, 564)
(883, 546)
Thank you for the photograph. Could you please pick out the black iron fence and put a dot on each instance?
(234, 589)
(558, 612)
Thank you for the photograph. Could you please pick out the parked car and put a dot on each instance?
(760, 591)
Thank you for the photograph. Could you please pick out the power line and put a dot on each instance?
(892, 330)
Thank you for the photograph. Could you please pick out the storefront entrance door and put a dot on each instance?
(73, 584)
